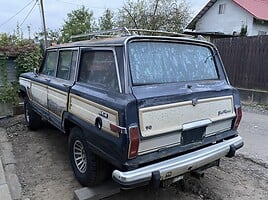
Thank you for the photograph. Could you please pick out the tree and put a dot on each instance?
(106, 20)
(52, 35)
(167, 15)
(79, 21)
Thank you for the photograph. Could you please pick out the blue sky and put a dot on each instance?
(56, 11)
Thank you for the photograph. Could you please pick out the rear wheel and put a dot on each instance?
(88, 168)
(33, 120)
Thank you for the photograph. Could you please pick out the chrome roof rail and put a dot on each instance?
(126, 32)
(106, 33)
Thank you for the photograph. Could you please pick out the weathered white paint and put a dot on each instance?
(89, 111)
(38, 93)
(164, 141)
(230, 22)
(57, 101)
(174, 138)
(218, 127)
(171, 117)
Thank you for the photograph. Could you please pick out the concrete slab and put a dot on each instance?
(3, 137)
(98, 192)
(2, 174)
(7, 153)
(8, 176)
(14, 185)
(4, 192)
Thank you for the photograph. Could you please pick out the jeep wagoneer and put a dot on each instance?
(152, 107)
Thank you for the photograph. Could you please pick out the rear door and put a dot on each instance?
(60, 84)
(181, 91)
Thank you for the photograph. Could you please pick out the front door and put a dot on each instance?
(39, 87)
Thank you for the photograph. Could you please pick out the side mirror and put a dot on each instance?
(35, 71)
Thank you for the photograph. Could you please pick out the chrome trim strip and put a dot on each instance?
(196, 124)
(179, 165)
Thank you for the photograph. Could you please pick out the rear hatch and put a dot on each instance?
(182, 93)
(182, 119)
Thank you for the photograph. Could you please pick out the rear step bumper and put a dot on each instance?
(177, 166)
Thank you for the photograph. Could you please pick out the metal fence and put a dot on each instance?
(11, 70)
(245, 60)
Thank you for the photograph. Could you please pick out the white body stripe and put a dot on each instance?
(171, 117)
(89, 111)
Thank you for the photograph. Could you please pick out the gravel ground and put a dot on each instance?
(44, 171)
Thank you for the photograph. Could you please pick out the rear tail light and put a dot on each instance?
(238, 117)
(134, 141)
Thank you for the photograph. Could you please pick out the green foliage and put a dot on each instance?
(52, 35)
(167, 15)
(106, 20)
(244, 30)
(28, 60)
(27, 55)
(8, 90)
(79, 21)
(4, 39)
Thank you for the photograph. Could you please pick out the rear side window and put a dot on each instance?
(67, 63)
(163, 62)
(98, 68)
(50, 64)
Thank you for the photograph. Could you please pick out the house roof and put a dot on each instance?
(257, 8)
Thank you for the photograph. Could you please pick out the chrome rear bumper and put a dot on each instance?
(179, 165)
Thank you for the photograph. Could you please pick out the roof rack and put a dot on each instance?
(107, 33)
(125, 32)
(158, 32)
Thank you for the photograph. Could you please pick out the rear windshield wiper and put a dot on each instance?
(210, 56)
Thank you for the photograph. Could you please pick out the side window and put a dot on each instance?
(98, 68)
(222, 8)
(67, 63)
(50, 64)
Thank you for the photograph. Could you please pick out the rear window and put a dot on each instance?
(163, 62)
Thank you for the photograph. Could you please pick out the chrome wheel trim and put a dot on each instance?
(79, 154)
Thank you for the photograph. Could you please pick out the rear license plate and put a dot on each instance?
(193, 135)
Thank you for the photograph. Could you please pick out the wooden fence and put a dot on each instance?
(245, 60)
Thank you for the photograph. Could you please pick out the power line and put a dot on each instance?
(16, 13)
(28, 13)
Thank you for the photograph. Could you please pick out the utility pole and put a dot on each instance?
(29, 31)
(44, 24)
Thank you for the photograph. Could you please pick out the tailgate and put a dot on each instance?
(184, 122)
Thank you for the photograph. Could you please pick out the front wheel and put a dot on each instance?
(88, 168)
(33, 120)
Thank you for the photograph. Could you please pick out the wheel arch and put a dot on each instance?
(69, 122)
(22, 92)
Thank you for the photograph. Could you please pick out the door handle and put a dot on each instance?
(66, 85)
(47, 79)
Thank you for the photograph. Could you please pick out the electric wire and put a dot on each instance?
(8, 20)
(29, 13)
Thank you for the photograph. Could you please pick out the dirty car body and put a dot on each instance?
(154, 107)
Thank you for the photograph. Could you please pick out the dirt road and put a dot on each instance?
(45, 173)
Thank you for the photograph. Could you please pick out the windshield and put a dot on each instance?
(163, 62)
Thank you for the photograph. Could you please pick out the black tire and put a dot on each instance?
(92, 170)
(33, 120)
